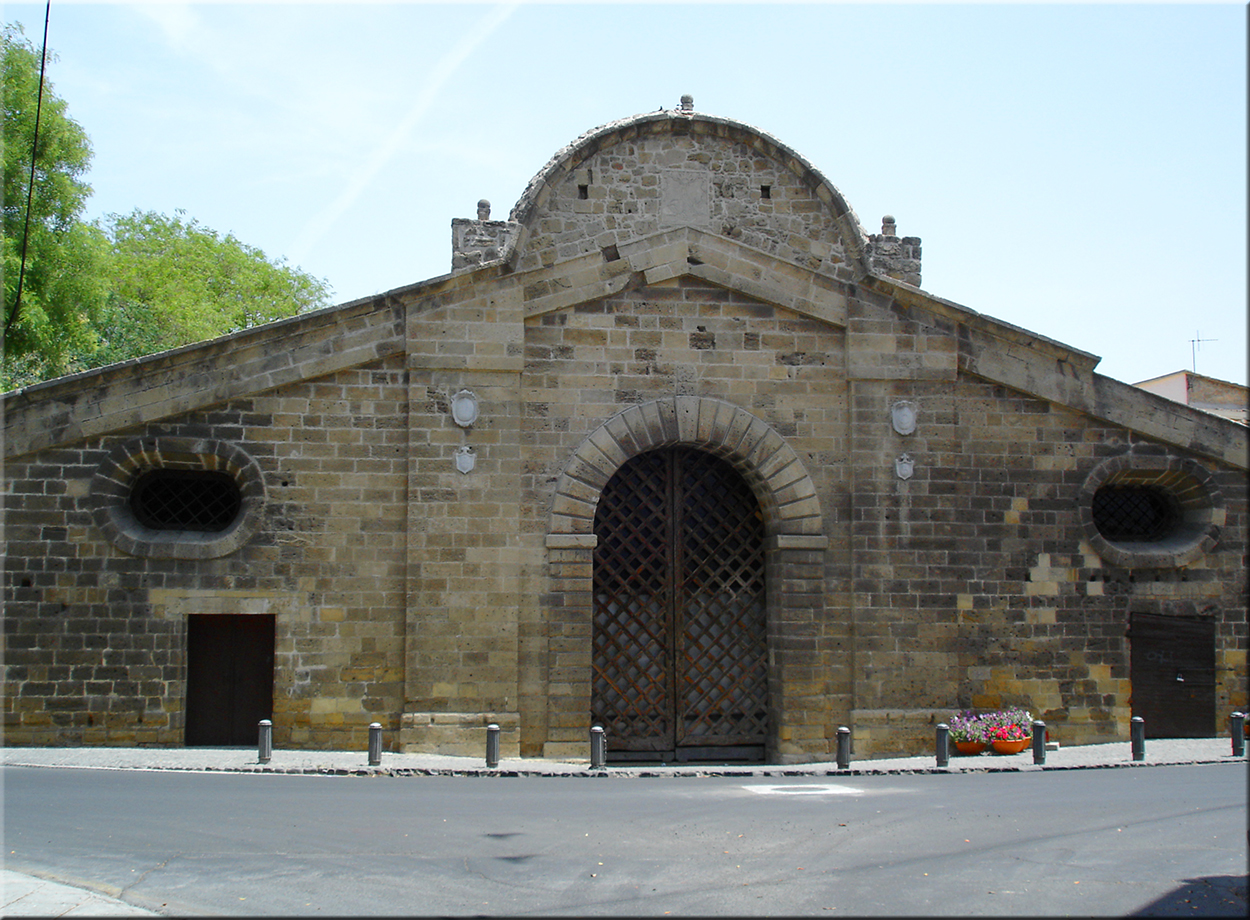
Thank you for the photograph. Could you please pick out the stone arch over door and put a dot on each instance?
(795, 545)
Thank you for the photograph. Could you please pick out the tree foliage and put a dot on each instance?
(95, 293)
(194, 284)
(62, 283)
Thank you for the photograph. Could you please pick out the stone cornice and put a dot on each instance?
(257, 360)
(197, 376)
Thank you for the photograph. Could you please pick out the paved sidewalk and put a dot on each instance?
(29, 896)
(23, 895)
(346, 763)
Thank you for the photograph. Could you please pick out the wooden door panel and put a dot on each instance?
(632, 644)
(229, 678)
(1172, 671)
(209, 684)
(679, 644)
(722, 660)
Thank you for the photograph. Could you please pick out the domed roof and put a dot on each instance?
(638, 175)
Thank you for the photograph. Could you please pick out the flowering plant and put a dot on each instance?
(1008, 725)
(968, 726)
(1000, 725)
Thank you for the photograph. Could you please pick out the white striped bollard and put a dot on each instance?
(492, 746)
(598, 748)
(844, 747)
(264, 743)
(375, 743)
(942, 741)
(1039, 741)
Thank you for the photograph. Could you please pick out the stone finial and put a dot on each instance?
(894, 257)
(687, 104)
(475, 242)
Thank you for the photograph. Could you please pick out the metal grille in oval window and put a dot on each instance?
(188, 500)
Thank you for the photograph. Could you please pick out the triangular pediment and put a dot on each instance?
(487, 307)
(686, 252)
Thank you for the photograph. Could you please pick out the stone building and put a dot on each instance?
(1221, 397)
(677, 449)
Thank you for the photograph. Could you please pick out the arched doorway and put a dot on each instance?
(680, 652)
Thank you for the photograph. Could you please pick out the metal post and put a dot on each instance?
(1039, 741)
(375, 743)
(844, 747)
(264, 746)
(1138, 736)
(943, 743)
(1237, 726)
(598, 748)
(492, 746)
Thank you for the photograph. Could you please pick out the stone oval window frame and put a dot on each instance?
(1187, 483)
(112, 484)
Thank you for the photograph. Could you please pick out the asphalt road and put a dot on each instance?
(1163, 841)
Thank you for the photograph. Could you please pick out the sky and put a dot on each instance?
(1078, 171)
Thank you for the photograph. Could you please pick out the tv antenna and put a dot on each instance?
(1195, 345)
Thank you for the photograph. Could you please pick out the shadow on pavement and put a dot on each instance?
(1210, 896)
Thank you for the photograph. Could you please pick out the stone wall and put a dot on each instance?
(925, 474)
(693, 172)
(95, 637)
(975, 586)
(690, 339)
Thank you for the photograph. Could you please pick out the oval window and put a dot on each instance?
(1151, 510)
(186, 500)
(1135, 513)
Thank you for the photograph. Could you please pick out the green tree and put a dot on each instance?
(62, 283)
(173, 281)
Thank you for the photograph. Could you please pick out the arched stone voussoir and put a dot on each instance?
(774, 470)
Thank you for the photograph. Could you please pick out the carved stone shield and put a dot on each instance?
(903, 417)
(904, 467)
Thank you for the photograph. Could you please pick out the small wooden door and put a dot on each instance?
(1172, 670)
(680, 653)
(229, 678)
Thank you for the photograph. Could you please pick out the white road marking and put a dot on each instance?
(804, 789)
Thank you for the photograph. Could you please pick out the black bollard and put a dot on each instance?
(598, 748)
(844, 747)
(264, 746)
(1039, 741)
(1237, 727)
(375, 743)
(492, 746)
(1137, 733)
(943, 744)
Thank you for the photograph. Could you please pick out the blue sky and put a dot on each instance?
(1079, 171)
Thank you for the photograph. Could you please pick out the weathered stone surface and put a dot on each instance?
(763, 327)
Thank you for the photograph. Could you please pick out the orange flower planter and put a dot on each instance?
(1010, 747)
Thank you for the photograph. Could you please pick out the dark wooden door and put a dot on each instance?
(680, 653)
(1172, 670)
(229, 678)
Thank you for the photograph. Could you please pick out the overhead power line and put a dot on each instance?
(30, 186)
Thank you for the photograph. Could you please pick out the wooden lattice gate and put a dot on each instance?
(680, 648)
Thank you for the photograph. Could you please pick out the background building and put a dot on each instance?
(1220, 397)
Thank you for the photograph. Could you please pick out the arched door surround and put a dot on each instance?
(794, 545)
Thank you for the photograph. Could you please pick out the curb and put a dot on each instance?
(623, 772)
